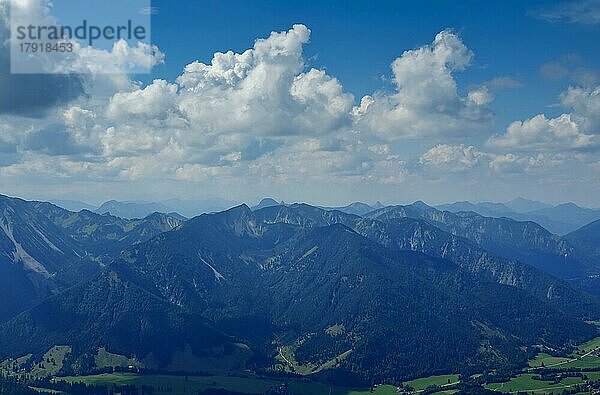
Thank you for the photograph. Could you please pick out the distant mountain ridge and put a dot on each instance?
(141, 209)
(525, 241)
(357, 208)
(522, 205)
(131, 210)
(560, 219)
(73, 205)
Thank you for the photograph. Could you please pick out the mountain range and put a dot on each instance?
(393, 293)
(45, 249)
(560, 219)
(139, 209)
(187, 208)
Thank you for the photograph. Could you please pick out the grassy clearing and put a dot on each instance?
(591, 347)
(13, 366)
(587, 347)
(543, 359)
(51, 363)
(379, 390)
(287, 358)
(335, 330)
(106, 359)
(390, 390)
(418, 385)
(591, 361)
(421, 384)
(592, 375)
(525, 382)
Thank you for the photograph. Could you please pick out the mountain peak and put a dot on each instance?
(241, 209)
(266, 202)
(378, 205)
(421, 205)
(132, 209)
(523, 205)
(568, 205)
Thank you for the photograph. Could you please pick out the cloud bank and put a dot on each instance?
(265, 120)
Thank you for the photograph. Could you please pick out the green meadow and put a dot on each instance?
(525, 382)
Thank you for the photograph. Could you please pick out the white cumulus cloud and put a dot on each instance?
(577, 130)
(426, 101)
(153, 101)
(452, 157)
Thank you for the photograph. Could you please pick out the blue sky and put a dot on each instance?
(357, 40)
(324, 102)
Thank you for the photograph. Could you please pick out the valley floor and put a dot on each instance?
(575, 373)
(165, 384)
(569, 373)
